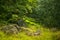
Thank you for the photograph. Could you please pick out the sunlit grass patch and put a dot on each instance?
(45, 34)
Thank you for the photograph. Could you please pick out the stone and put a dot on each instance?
(11, 29)
(37, 33)
(21, 23)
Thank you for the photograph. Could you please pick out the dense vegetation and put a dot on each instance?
(42, 14)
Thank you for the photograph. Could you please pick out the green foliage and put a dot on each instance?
(47, 13)
(19, 8)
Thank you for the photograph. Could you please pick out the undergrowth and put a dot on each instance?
(45, 34)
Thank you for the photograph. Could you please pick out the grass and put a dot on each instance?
(45, 34)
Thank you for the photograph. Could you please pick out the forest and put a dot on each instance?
(29, 20)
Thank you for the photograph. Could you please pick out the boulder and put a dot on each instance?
(11, 29)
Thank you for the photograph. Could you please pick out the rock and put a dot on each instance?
(11, 29)
(29, 33)
(33, 33)
(18, 28)
(21, 23)
(37, 33)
